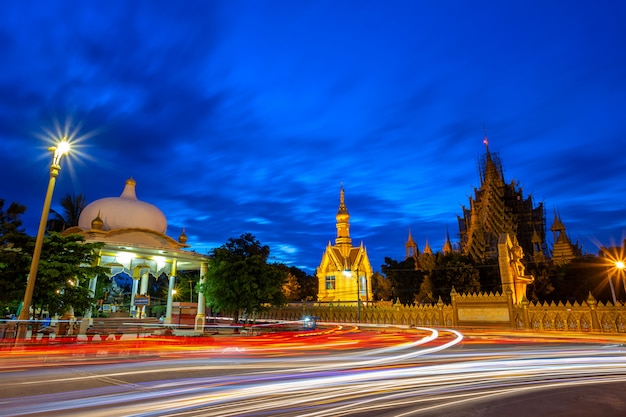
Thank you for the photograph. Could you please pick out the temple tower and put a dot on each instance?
(563, 251)
(498, 208)
(412, 251)
(447, 245)
(344, 274)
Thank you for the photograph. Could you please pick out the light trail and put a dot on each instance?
(400, 380)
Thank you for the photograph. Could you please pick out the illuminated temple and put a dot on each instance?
(137, 251)
(499, 207)
(344, 275)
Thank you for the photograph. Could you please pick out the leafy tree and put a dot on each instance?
(405, 279)
(574, 280)
(14, 259)
(454, 270)
(489, 275)
(72, 206)
(291, 288)
(239, 277)
(381, 287)
(542, 287)
(425, 294)
(300, 286)
(66, 265)
(426, 263)
(63, 270)
(309, 285)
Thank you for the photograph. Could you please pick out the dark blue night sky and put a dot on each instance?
(246, 116)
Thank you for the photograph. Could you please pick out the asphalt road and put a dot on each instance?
(340, 372)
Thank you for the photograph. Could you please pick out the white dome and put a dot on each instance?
(124, 212)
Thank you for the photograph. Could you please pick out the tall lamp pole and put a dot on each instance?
(612, 290)
(621, 268)
(58, 151)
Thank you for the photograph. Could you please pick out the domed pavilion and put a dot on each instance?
(136, 246)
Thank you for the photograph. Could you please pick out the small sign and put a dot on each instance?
(142, 301)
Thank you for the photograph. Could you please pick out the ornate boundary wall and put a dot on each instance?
(472, 310)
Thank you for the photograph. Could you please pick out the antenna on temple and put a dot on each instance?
(485, 138)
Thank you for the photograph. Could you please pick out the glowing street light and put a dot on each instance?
(615, 266)
(62, 148)
(621, 269)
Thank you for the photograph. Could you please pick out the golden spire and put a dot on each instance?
(427, 248)
(411, 247)
(183, 237)
(343, 241)
(97, 222)
(342, 213)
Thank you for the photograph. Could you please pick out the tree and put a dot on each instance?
(72, 206)
(239, 277)
(291, 288)
(427, 262)
(405, 279)
(489, 271)
(66, 265)
(63, 271)
(425, 294)
(14, 259)
(574, 280)
(381, 287)
(454, 270)
(542, 287)
(300, 287)
(309, 284)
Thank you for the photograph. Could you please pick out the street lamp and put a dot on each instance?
(62, 148)
(621, 269)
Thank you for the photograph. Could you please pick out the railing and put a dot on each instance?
(476, 310)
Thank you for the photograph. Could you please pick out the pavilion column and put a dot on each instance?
(144, 283)
(170, 294)
(133, 293)
(201, 315)
(92, 291)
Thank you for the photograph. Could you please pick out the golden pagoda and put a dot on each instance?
(563, 251)
(345, 271)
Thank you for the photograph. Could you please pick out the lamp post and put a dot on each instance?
(616, 266)
(612, 290)
(62, 148)
(621, 268)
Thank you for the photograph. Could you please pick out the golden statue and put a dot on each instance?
(518, 272)
(512, 270)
